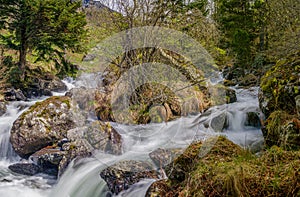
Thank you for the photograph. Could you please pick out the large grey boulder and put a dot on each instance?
(42, 124)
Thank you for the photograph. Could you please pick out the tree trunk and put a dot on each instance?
(22, 61)
(22, 51)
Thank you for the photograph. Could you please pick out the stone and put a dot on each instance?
(282, 129)
(102, 136)
(122, 175)
(252, 119)
(3, 108)
(29, 169)
(14, 95)
(219, 122)
(43, 124)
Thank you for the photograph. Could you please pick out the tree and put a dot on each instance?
(283, 28)
(44, 28)
(240, 27)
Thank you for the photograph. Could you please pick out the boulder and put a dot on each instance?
(3, 108)
(83, 141)
(14, 95)
(252, 119)
(282, 129)
(48, 159)
(122, 175)
(102, 136)
(280, 86)
(219, 122)
(25, 168)
(41, 125)
(74, 150)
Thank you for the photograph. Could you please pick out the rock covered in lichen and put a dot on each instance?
(41, 125)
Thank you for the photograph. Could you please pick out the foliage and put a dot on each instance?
(43, 28)
(241, 28)
(283, 28)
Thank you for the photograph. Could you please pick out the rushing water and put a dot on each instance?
(82, 179)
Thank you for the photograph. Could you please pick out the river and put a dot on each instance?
(82, 179)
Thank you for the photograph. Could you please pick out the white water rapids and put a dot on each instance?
(82, 178)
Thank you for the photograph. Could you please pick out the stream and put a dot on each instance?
(82, 179)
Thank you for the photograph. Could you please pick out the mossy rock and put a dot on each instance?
(248, 80)
(282, 129)
(228, 170)
(180, 168)
(42, 124)
(280, 85)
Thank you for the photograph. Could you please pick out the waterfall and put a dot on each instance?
(12, 184)
(14, 110)
(82, 176)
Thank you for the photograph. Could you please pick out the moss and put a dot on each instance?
(227, 170)
(283, 129)
(280, 85)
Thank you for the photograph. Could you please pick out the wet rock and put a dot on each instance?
(56, 85)
(48, 159)
(81, 142)
(102, 136)
(44, 86)
(221, 95)
(252, 119)
(14, 95)
(25, 168)
(162, 157)
(220, 122)
(122, 175)
(230, 95)
(158, 114)
(74, 150)
(2, 108)
(41, 125)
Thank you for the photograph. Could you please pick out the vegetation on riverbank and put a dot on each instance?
(227, 170)
(252, 42)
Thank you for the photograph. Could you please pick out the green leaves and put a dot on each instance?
(45, 28)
